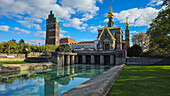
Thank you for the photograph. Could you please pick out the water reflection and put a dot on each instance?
(47, 82)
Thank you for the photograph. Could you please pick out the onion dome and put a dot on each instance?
(110, 14)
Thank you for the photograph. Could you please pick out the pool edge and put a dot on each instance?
(99, 85)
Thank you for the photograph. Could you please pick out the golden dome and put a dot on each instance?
(110, 14)
(127, 24)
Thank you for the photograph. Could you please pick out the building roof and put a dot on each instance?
(67, 40)
(112, 27)
(108, 31)
(55, 16)
(86, 42)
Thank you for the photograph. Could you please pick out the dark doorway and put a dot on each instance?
(107, 59)
(114, 59)
(65, 58)
(88, 59)
(79, 59)
(97, 59)
(106, 46)
(70, 58)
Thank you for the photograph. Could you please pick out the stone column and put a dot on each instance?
(83, 59)
(62, 62)
(77, 61)
(72, 59)
(92, 59)
(58, 60)
(101, 59)
(68, 60)
(111, 59)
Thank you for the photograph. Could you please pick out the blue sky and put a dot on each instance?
(80, 19)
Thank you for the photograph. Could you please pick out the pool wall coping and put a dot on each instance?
(27, 66)
(99, 85)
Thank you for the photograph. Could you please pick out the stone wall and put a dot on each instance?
(142, 61)
(19, 55)
(11, 59)
(21, 67)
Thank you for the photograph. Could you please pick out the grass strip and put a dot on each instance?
(142, 81)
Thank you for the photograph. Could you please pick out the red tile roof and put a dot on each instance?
(67, 40)
(86, 42)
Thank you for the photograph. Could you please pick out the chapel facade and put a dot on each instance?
(111, 37)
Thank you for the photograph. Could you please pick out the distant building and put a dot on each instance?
(52, 29)
(85, 45)
(67, 41)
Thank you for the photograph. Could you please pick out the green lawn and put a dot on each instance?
(13, 62)
(142, 81)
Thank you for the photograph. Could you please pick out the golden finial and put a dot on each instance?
(105, 23)
(127, 24)
(110, 7)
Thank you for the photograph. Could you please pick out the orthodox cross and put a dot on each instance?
(126, 19)
(110, 7)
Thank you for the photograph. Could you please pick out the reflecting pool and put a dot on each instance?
(47, 82)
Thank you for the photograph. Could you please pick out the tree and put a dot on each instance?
(34, 48)
(1, 48)
(13, 40)
(135, 50)
(141, 39)
(21, 42)
(63, 48)
(159, 29)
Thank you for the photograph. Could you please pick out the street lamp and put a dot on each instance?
(26, 53)
(8, 49)
(39, 48)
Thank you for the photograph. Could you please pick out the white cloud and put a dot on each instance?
(155, 3)
(76, 23)
(22, 30)
(106, 20)
(63, 31)
(133, 32)
(35, 41)
(37, 26)
(29, 24)
(137, 17)
(40, 34)
(93, 29)
(101, 1)
(4, 28)
(30, 12)
(62, 36)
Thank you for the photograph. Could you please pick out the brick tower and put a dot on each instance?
(52, 29)
(127, 44)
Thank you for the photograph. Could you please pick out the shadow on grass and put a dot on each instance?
(142, 81)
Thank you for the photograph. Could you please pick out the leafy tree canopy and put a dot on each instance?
(64, 48)
(160, 28)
